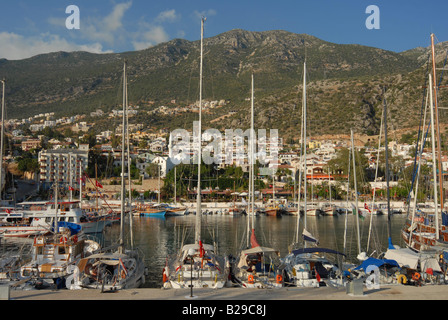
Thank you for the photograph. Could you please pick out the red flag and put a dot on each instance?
(253, 240)
(317, 277)
(201, 249)
(70, 188)
(98, 184)
(367, 207)
(8, 211)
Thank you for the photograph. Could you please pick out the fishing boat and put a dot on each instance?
(42, 214)
(176, 211)
(13, 224)
(313, 210)
(196, 265)
(150, 210)
(273, 211)
(53, 255)
(328, 209)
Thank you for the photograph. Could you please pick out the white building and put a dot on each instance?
(63, 166)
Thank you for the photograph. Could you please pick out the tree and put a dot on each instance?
(152, 170)
(341, 163)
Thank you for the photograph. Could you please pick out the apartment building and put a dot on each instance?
(63, 166)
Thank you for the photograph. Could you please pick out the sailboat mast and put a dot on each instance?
(436, 111)
(356, 194)
(129, 166)
(2, 137)
(56, 226)
(304, 145)
(123, 141)
(434, 170)
(175, 185)
(252, 150)
(386, 145)
(198, 203)
(80, 183)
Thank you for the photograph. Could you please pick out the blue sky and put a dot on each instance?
(30, 27)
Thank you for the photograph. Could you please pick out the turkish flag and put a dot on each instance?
(98, 184)
(317, 277)
(201, 249)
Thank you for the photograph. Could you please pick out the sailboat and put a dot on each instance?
(257, 265)
(196, 264)
(428, 230)
(53, 255)
(328, 209)
(308, 267)
(114, 270)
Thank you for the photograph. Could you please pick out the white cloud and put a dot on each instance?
(114, 20)
(205, 13)
(108, 29)
(168, 15)
(96, 33)
(15, 47)
(155, 35)
(151, 34)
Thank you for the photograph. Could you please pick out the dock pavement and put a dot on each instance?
(385, 292)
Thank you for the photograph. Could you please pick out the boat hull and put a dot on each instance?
(159, 214)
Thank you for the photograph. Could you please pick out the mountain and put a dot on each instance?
(345, 82)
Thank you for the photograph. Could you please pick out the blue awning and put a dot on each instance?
(377, 263)
(73, 227)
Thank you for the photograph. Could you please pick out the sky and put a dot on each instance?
(30, 27)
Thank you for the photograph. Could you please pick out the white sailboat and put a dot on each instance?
(256, 266)
(308, 267)
(196, 264)
(121, 269)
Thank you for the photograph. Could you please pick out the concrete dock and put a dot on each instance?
(385, 292)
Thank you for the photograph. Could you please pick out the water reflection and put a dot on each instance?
(160, 238)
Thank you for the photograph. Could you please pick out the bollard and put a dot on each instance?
(355, 287)
(4, 292)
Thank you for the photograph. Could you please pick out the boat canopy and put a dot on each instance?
(259, 249)
(376, 262)
(410, 259)
(316, 250)
(73, 227)
(195, 246)
(256, 250)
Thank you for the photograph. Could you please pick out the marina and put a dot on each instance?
(285, 220)
(159, 238)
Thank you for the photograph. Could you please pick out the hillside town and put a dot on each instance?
(63, 150)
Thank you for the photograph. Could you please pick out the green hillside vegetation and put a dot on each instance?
(344, 89)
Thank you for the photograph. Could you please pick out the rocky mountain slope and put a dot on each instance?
(345, 82)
